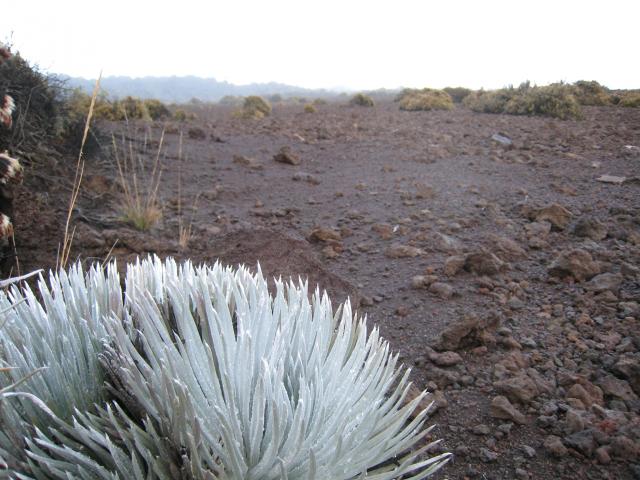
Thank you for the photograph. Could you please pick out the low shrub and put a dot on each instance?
(630, 99)
(458, 94)
(309, 108)
(556, 100)
(200, 372)
(230, 100)
(425, 99)
(131, 108)
(156, 109)
(255, 107)
(37, 113)
(319, 101)
(181, 115)
(361, 100)
(197, 133)
(591, 93)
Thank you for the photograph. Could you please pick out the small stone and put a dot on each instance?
(554, 446)
(480, 429)
(529, 452)
(520, 388)
(453, 265)
(612, 179)
(615, 387)
(574, 422)
(442, 290)
(502, 408)
(502, 139)
(590, 228)
(507, 248)
(330, 252)
(323, 234)
(575, 263)
(505, 428)
(446, 243)
(488, 456)
(445, 359)
(469, 329)
(546, 421)
(305, 177)
(582, 441)
(419, 281)
(588, 394)
(286, 156)
(366, 301)
(483, 263)
(515, 303)
(555, 214)
(403, 251)
(603, 282)
(413, 393)
(625, 448)
(248, 162)
(602, 455)
(383, 229)
(537, 233)
(439, 400)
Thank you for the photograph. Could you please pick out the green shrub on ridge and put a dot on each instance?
(425, 99)
(255, 107)
(458, 94)
(591, 93)
(630, 99)
(556, 100)
(361, 100)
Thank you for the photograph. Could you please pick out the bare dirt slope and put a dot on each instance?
(526, 262)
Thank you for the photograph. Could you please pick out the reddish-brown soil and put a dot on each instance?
(379, 178)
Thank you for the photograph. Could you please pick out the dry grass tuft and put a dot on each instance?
(140, 182)
(67, 240)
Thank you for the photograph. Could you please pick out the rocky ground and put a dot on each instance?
(499, 255)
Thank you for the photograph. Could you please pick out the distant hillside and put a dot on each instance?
(183, 89)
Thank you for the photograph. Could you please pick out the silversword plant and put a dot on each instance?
(199, 372)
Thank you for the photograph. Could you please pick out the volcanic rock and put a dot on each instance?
(576, 263)
(502, 408)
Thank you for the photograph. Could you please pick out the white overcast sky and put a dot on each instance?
(334, 43)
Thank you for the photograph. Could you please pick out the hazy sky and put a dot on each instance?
(334, 43)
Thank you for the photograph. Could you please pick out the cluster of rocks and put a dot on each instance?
(572, 371)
